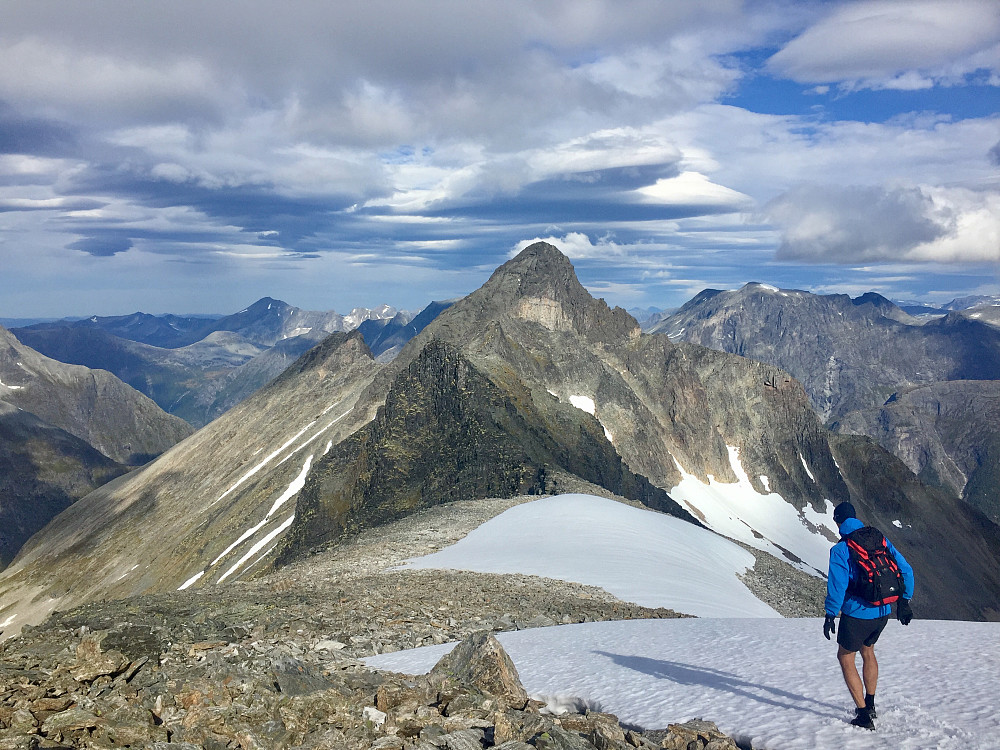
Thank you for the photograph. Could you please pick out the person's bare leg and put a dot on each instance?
(869, 669)
(851, 676)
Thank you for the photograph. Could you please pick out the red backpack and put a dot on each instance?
(877, 579)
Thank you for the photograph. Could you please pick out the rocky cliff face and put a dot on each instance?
(871, 369)
(446, 433)
(946, 433)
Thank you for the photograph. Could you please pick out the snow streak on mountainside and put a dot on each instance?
(765, 521)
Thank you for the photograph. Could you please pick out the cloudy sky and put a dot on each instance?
(190, 157)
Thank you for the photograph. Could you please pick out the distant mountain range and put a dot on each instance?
(195, 367)
(526, 386)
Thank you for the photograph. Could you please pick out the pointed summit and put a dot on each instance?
(540, 270)
(540, 285)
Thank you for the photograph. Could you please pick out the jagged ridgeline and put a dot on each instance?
(527, 385)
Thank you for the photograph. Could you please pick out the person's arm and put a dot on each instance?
(837, 579)
(904, 568)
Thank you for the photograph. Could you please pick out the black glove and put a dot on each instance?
(903, 612)
(830, 626)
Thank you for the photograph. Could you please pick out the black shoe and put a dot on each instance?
(870, 705)
(863, 719)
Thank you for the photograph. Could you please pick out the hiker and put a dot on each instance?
(863, 614)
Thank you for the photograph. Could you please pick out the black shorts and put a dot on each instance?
(854, 632)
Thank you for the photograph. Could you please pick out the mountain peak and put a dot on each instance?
(542, 252)
(539, 284)
(264, 304)
(873, 298)
(538, 267)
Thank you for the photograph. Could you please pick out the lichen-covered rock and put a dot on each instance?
(704, 734)
(481, 661)
(557, 738)
(92, 662)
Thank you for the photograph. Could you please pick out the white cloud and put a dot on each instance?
(975, 232)
(576, 245)
(903, 44)
(434, 135)
(47, 75)
(764, 155)
(694, 189)
(828, 224)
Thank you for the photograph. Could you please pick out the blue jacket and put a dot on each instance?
(841, 573)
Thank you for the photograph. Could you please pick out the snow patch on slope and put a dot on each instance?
(636, 554)
(766, 522)
(264, 463)
(289, 493)
(586, 403)
(258, 546)
(806, 466)
(191, 581)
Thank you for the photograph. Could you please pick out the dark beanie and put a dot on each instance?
(842, 512)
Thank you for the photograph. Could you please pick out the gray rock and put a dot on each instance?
(481, 661)
(465, 739)
(93, 662)
(556, 738)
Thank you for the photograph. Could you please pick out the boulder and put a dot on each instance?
(481, 661)
(93, 662)
(704, 734)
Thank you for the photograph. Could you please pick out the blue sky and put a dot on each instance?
(193, 157)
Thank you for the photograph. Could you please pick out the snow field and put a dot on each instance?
(773, 683)
(635, 554)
